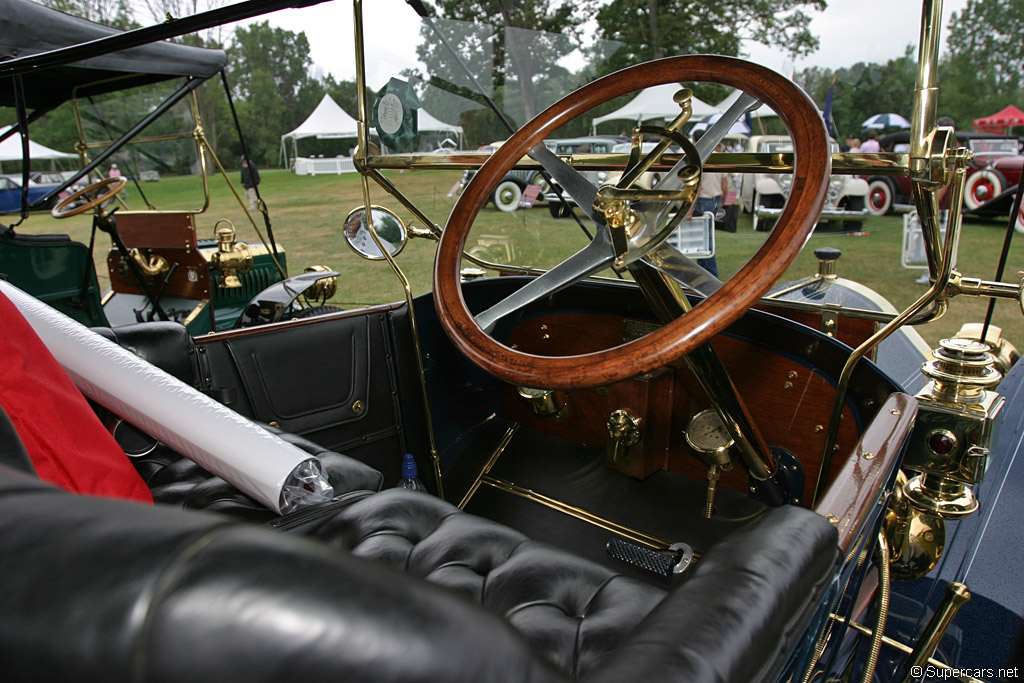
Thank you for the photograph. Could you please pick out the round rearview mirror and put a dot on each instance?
(388, 226)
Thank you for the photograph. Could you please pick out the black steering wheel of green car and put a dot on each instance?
(96, 194)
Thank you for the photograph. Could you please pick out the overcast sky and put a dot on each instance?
(849, 31)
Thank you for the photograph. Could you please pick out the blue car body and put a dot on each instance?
(10, 195)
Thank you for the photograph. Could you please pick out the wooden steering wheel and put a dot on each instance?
(66, 207)
(813, 165)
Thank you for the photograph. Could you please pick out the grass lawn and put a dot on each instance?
(307, 214)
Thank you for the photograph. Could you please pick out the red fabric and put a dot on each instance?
(68, 445)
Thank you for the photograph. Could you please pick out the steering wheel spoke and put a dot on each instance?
(683, 270)
(572, 181)
(593, 258)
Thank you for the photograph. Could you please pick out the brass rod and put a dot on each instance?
(502, 445)
(935, 293)
(632, 534)
(361, 152)
(140, 140)
(732, 162)
(957, 596)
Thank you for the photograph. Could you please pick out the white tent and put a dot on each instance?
(10, 149)
(426, 123)
(327, 121)
(655, 103)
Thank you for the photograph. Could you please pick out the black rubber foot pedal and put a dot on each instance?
(662, 563)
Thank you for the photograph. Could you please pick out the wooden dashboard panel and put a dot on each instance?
(788, 401)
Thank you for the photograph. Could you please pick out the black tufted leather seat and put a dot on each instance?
(99, 589)
(733, 618)
(571, 610)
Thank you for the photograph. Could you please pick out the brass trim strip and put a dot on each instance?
(743, 162)
(195, 312)
(502, 445)
(579, 513)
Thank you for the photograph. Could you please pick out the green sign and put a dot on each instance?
(394, 115)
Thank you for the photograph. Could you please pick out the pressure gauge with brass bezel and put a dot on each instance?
(708, 438)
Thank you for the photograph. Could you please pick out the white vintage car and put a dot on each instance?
(764, 194)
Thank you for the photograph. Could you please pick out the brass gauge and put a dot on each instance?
(708, 438)
(542, 402)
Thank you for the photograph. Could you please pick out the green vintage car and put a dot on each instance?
(178, 264)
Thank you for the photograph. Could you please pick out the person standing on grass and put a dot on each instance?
(250, 179)
(713, 188)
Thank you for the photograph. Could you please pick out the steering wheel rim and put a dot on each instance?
(812, 169)
(60, 209)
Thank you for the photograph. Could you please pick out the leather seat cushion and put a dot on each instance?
(571, 610)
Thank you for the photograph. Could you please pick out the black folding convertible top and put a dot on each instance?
(27, 28)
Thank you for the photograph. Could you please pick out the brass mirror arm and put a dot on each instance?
(435, 457)
(936, 293)
(359, 162)
(389, 187)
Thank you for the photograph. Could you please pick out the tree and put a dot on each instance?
(984, 69)
(513, 47)
(651, 29)
(269, 70)
(116, 13)
(863, 89)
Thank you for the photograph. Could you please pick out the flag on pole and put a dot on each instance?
(827, 113)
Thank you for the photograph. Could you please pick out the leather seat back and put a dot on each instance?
(167, 345)
(97, 589)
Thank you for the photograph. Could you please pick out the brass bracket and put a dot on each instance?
(624, 432)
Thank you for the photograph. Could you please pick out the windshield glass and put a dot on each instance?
(478, 82)
(995, 147)
(165, 148)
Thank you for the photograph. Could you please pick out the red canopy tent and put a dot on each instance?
(1001, 121)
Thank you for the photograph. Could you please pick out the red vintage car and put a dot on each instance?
(991, 178)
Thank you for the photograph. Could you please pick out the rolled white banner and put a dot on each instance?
(217, 438)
